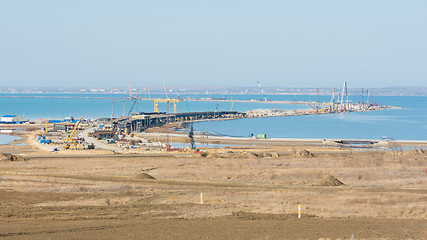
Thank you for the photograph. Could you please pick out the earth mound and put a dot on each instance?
(11, 157)
(144, 176)
(257, 155)
(304, 153)
(329, 181)
(243, 154)
(420, 151)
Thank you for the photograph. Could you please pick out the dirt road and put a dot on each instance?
(231, 227)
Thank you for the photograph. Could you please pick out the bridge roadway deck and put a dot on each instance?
(142, 121)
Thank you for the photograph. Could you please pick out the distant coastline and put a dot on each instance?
(273, 91)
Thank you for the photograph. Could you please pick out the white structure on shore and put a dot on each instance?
(11, 118)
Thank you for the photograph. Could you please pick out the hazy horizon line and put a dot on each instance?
(198, 87)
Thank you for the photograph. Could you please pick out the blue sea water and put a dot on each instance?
(5, 139)
(408, 123)
(48, 108)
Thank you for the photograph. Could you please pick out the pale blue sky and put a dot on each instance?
(368, 43)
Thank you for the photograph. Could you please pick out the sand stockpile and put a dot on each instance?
(144, 176)
(420, 151)
(329, 181)
(257, 155)
(244, 154)
(11, 157)
(304, 153)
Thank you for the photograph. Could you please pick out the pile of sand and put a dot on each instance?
(243, 154)
(11, 157)
(257, 155)
(420, 151)
(330, 181)
(304, 153)
(144, 176)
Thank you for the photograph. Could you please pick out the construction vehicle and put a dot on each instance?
(74, 130)
(68, 146)
(324, 110)
(69, 139)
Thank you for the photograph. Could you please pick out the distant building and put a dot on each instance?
(64, 127)
(59, 127)
(100, 134)
(11, 118)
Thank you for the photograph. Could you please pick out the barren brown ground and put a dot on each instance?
(246, 196)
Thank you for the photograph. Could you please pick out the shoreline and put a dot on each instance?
(178, 133)
(183, 126)
(284, 140)
(173, 134)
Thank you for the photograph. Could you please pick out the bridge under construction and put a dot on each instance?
(141, 121)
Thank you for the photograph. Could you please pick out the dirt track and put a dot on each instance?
(217, 228)
(384, 196)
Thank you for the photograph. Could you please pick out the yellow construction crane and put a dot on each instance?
(324, 110)
(74, 130)
(167, 100)
(45, 129)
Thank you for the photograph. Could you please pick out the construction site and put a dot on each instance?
(131, 132)
(149, 175)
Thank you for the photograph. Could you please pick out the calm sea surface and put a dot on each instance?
(408, 123)
(5, 139)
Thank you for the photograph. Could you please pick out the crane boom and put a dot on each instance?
(262, 91)
(74, 130)
(333, 98)
(131, 108)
